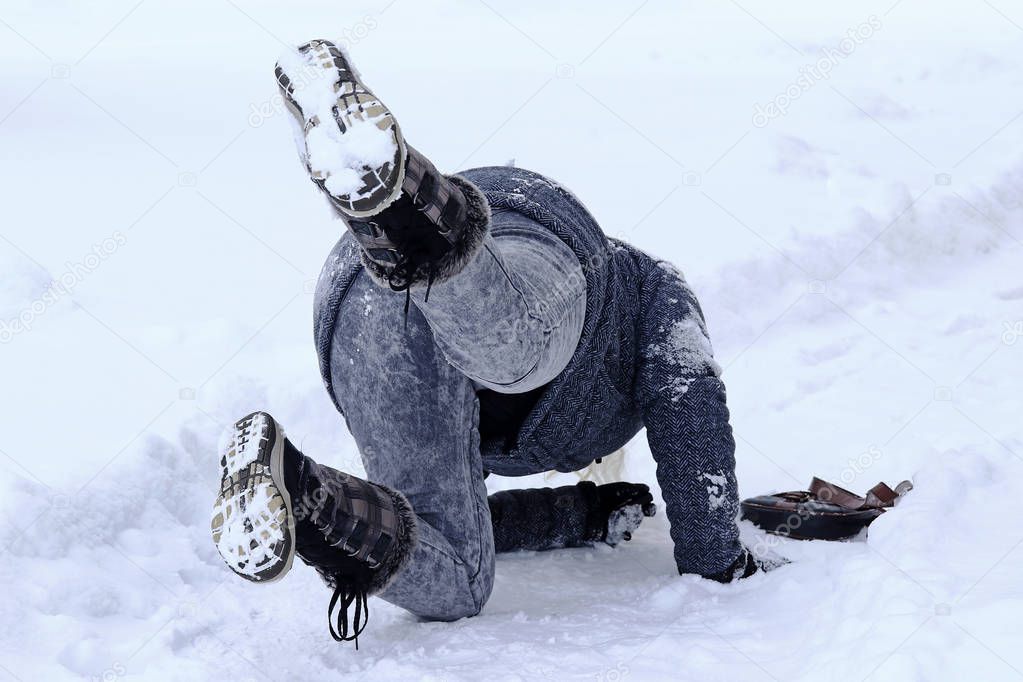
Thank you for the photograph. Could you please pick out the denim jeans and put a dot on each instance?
(509, 321)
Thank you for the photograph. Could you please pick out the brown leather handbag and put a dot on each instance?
(824, 512)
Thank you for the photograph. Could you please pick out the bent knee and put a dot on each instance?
(466, 602)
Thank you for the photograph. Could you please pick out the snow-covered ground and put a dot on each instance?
(847, 205)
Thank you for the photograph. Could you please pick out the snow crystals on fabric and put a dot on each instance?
(686, 348)
(623, 522)
(716, 490)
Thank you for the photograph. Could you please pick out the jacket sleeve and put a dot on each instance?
(545, 518)
(682, 402)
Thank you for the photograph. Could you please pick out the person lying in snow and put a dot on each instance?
(467, 324)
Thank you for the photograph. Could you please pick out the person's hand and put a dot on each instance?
(623, 505)
(745, 565)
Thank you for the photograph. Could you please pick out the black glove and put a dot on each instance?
(746, 565)
(743, 567)
(569, 516)
(621, 508)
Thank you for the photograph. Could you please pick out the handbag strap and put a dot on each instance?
(878, 497)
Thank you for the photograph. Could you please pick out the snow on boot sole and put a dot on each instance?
(252, 523)
(354, 149)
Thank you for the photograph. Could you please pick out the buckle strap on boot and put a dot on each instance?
(358, 536)
(428, 234)
(433, 195)
(358, 517)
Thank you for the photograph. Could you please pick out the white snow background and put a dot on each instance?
(858, 258)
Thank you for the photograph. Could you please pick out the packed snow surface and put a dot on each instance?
(840, 183)
(687, 351)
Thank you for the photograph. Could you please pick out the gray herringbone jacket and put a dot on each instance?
(644, 359)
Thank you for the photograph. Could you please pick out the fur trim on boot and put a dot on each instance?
(399, 554)
(464, 249)
(358, 536)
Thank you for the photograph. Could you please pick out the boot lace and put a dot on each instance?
(347, 594)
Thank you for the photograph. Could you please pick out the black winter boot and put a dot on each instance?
(415, 225)
(275, 502)
(252, 516)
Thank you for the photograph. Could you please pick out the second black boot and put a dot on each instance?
(275, 503)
